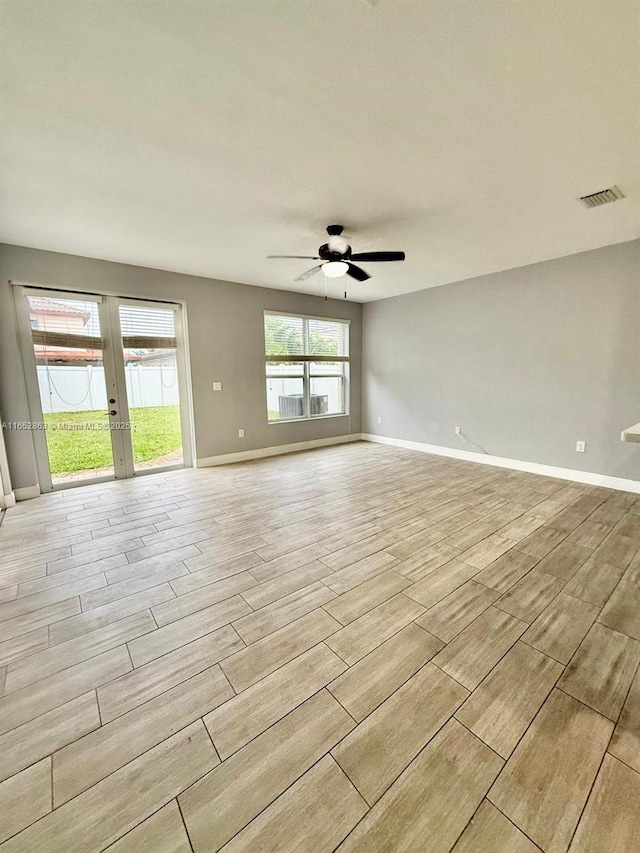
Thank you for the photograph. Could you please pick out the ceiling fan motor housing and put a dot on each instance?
(337, 248)
(328, 254)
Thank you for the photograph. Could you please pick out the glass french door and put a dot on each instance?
(150, 354)
(106, 385)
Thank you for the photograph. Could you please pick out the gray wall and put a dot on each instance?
(526, 362)
(225, 324)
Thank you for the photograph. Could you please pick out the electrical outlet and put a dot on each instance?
(458, 430)
(581, 446)
(240, 433)
(217, 386)
(379, 420)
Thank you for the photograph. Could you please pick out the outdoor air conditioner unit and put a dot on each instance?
(292, 405)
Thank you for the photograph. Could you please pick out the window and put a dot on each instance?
(307, 366)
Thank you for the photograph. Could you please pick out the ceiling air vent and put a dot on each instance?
(601, 197)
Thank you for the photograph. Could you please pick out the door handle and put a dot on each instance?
(112, 412)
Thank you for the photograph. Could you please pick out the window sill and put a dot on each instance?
(306, 420)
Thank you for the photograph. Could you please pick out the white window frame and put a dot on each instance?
(306, 361)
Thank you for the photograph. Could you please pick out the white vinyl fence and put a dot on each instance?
(81, 389)
(65, 388)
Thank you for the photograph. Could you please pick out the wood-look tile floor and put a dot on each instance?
(356, 648)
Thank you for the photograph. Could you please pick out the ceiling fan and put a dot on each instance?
(337, 258)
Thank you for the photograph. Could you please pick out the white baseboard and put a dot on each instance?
(587, 477)
(278, 450)
(7, 501)
(27, 493)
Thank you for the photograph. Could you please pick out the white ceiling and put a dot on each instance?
(202, 135)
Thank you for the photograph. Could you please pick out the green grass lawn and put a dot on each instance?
(155, 432)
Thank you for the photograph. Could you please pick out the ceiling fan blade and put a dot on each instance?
(357, 272)
(299, 257)
(378, 256)
(309, 273)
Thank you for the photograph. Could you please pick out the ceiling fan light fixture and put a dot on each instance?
(335, 269)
